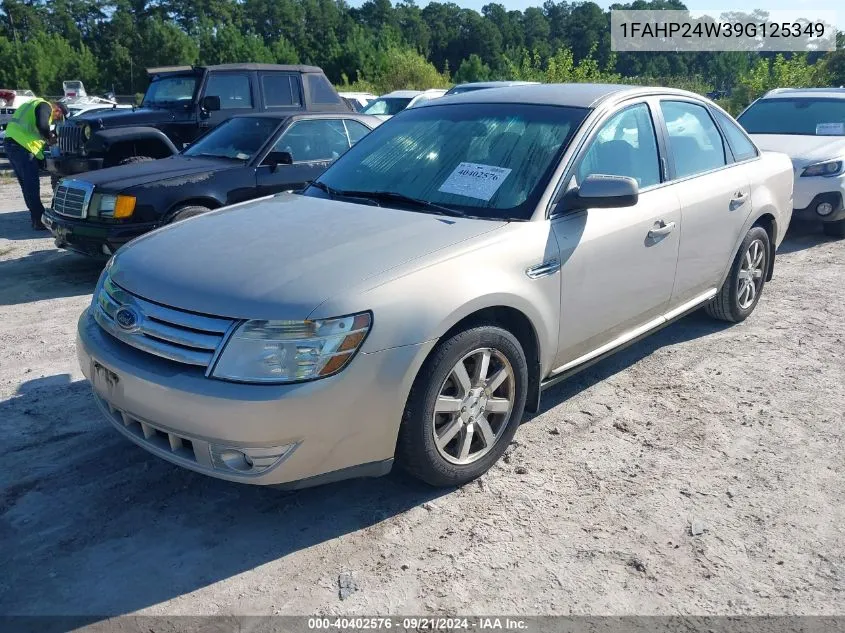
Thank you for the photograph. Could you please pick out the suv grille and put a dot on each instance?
(70, 137)
(183, 337)
(72, 197)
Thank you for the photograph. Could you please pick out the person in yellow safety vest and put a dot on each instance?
(27, 134)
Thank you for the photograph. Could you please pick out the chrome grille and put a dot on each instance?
(70, 137)
(176, 335)
(72, 197)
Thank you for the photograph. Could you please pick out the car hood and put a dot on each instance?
(280, 257)
(175, 169)
(803, 150)
(120, 118)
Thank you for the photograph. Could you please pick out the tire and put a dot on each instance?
(135, 159)
(735, 301)
(834, 229)
(188, 211)
(417, 450)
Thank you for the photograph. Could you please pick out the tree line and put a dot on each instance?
(378, 46)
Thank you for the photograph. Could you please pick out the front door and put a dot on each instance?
(313, 144)
(617, 265)
(236, 93)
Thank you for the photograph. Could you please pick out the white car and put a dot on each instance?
(11, 100)
(77, 100)
(394, 102)
(809, 126)
(358, 100)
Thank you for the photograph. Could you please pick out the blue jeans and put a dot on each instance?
(26, 167)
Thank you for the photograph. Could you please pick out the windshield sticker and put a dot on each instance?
(830, 129)
(474, 180)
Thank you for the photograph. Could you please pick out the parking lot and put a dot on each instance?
(697, 472)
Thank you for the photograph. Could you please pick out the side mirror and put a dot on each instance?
(274, 159)
(210, 103)
(599, 191)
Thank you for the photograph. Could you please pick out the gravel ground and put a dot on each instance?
(698, 472)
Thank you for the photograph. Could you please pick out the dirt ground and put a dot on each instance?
(698, 472)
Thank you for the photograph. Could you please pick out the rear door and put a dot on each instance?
(312, 143)
(714, 193)
(618, 265)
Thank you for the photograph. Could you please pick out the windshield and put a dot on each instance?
(238, 138)
(173, 89)
(391, 106)
(801, 116)
(485, 160)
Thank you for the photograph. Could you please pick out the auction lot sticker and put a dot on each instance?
(475, 180)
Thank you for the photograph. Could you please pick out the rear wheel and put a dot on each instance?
(834, 229)
(741, 291)
(188, 211)
(464, 407)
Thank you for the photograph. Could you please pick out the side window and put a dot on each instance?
(314, 140)
(694, 139)
(320, 90)
(624, 146)
(356, 130)
(741, 145)
(233, 90)
(280, 90)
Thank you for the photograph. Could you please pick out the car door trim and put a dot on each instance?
(628, 338)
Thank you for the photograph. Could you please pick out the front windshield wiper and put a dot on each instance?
(393, 196)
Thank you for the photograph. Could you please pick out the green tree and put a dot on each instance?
(472, 69)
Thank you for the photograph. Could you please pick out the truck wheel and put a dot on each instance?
(188, 211)
(834, 229)
(741, 291)
(464, 407)
(135, 159)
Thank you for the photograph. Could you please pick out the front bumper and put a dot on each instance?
(341, 426)
(810, 211)
(70, 165)
(88, 238)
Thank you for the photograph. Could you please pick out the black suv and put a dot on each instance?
(181, 103)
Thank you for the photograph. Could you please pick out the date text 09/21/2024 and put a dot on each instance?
(416, 623)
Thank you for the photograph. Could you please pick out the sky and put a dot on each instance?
(692, 5)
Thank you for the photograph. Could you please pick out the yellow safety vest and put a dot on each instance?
(23, 130)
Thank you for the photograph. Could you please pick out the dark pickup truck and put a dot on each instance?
(182, 103)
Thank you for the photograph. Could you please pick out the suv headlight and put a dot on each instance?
(827, 168)
(291, 351)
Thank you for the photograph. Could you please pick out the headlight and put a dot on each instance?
(291, 351)
(829, 168)
(118, 206)
(86, 131)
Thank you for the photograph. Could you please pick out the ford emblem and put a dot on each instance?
(128, 319)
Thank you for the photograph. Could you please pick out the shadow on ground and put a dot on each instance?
(47, 274)
(801, 235)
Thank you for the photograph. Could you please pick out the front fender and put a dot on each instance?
(102, 140)
(421, 301)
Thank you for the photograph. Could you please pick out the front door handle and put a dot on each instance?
(661, 229)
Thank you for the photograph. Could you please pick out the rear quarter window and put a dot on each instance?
(741, 146)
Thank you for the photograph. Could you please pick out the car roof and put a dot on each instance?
(402, 93)
(573, 95)
(788, 93)
(295, 68)
(495, 84)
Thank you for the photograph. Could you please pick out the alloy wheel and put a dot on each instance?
(751, 274)
(473, 406)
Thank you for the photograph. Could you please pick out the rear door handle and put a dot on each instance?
(661, 229)
(738, 199)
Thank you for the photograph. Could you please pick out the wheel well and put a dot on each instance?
(211, 203)
(520, 326)
(769, 224)
(140, 147)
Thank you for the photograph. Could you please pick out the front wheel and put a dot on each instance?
(834, 229)
(189, 211)
(741, 291)
(464, 407)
